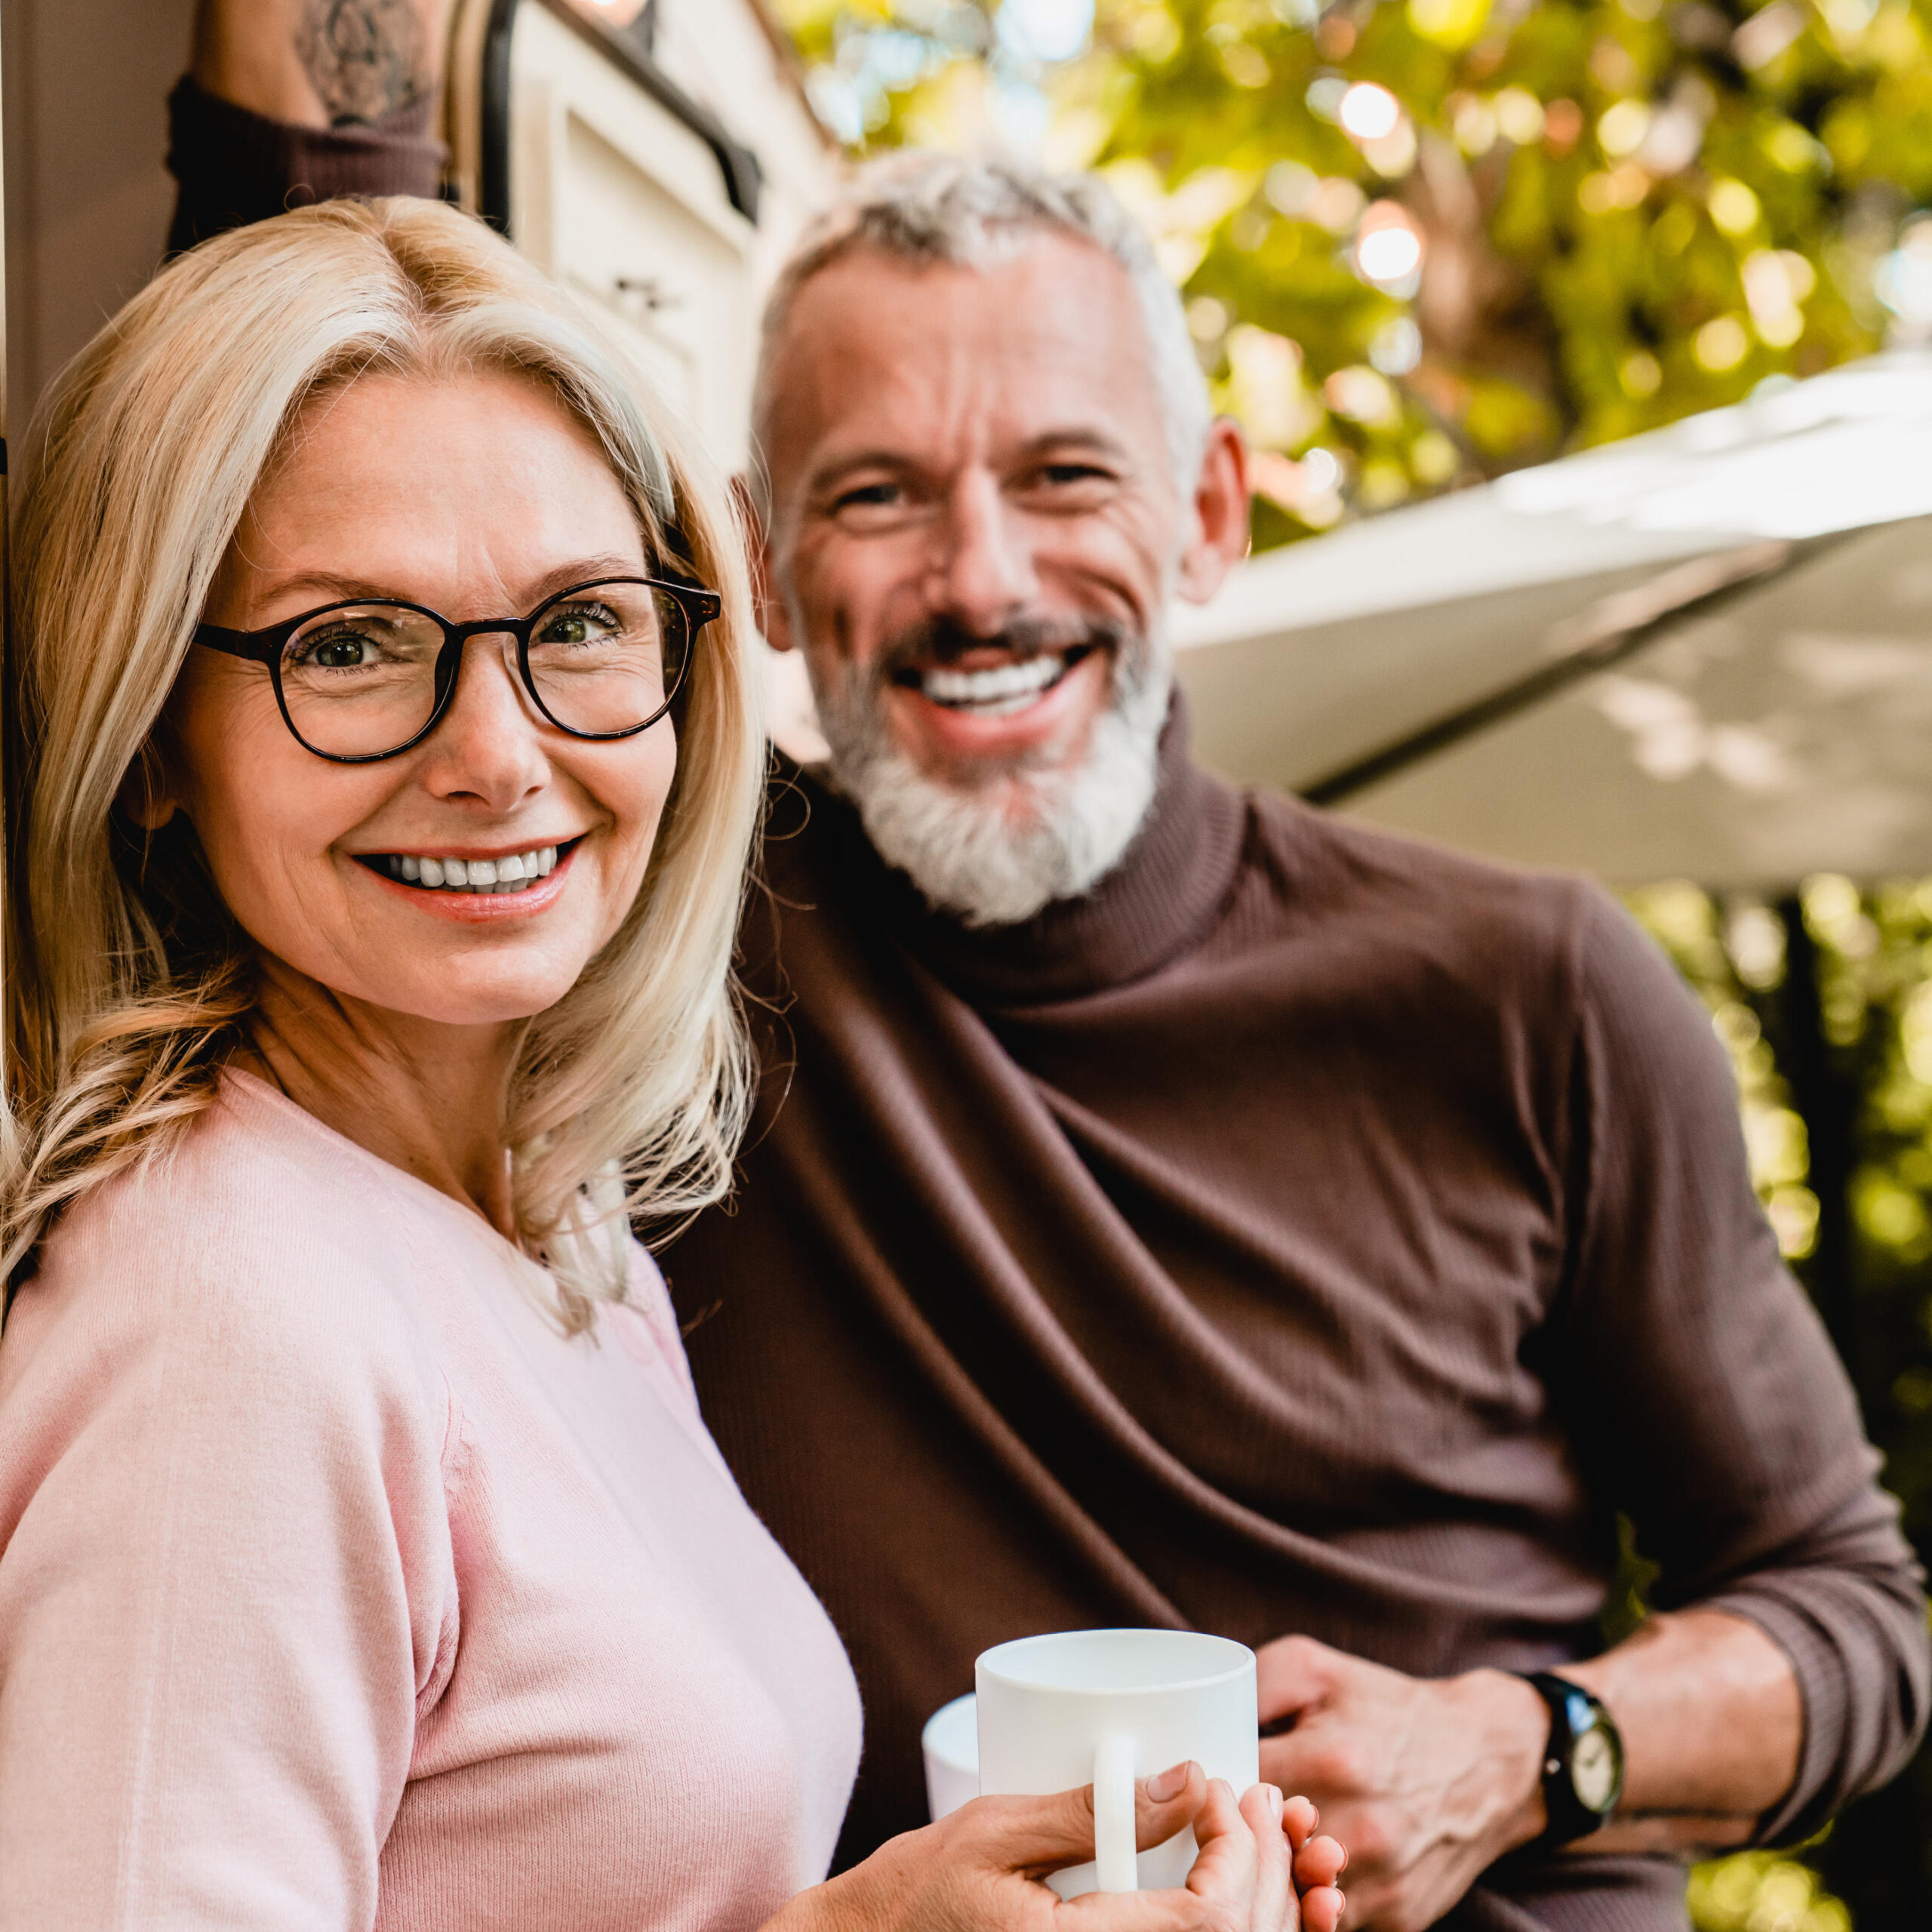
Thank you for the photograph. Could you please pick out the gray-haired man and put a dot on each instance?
(1170, 1207)
(1174, 1206)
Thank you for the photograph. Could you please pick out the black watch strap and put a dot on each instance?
(1582, 1762)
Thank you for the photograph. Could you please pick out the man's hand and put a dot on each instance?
(1426, 1782)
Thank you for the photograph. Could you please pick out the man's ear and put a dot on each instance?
(1220, 536)
(145, 794)
(769, 608)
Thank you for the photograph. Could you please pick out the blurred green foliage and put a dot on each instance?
(1847, 1183)
(1873, 967)
(1759, 1892)
(1626, 210)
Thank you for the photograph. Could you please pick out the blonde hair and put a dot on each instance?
(129, 986)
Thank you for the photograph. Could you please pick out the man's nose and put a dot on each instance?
(982, 573)
(486, 745)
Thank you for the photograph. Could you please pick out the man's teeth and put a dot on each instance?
(516, 873)
(993, 693)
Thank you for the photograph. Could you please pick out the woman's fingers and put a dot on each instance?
(1320, 1862)
(1039, 1834)
(1163, 1805)
(1299, 1819)
(1320, 1909)
(1225, 1871)
(1272, 1908)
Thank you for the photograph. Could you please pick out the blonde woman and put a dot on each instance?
(388, 766)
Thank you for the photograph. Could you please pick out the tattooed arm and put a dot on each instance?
(289, 101)
(364, 58)
(320, 63)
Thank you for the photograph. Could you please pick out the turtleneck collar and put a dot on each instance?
(1156, 903)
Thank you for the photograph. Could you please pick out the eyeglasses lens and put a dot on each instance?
(605, 659)
(362, 680)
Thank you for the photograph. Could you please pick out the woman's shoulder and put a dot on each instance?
(252, 1180)
(256, 1238)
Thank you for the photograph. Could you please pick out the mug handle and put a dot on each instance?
(1115, 1867)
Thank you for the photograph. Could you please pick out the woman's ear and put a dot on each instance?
(146, 795)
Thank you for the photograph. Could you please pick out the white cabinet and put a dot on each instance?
(613, 176)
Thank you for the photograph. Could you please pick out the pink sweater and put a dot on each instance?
(338, 1589)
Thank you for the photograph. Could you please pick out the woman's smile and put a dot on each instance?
(476, 888)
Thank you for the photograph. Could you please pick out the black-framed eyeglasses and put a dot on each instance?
(370, 679)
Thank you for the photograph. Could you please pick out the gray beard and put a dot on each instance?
(996, 854)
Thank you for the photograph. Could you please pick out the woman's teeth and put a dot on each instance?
(516, 873)
(994, 692)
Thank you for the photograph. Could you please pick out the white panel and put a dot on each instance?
(618, 197)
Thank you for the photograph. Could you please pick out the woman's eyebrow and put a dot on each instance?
(586, 569)
(326, 584)
(333, 586)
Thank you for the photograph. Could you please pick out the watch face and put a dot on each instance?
(1594, 1770)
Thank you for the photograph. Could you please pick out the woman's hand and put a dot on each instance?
(1261, 1869)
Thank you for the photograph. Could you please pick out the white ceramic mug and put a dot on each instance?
(1106, 1707)
(951, 1744)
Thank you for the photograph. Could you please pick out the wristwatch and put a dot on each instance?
(1583, 1764)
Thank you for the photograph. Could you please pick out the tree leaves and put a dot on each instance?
(1627, 211)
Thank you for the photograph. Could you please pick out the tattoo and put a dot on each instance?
(363, 57)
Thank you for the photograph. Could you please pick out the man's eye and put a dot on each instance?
(869, 495)
(1062, 475)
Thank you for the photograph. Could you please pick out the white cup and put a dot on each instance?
(1106, 1707)
(951, 1742)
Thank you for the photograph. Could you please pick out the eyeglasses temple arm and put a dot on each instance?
(258, 646)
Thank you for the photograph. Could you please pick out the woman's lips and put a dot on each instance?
(477, 906)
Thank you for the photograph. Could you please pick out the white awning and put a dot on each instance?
(1788, 730)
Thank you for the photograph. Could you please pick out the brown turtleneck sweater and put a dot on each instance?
(1308, 1231)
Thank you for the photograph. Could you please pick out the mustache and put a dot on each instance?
(942, 641)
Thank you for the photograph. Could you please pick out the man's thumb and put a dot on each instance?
(1291, 1674)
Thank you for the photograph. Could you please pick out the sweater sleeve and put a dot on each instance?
(1712, 1407)
(225, 1578)
(231, 168)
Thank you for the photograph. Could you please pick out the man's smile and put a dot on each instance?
(996, 689)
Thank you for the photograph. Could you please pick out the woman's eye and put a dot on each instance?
(584, 624)
(337, 651)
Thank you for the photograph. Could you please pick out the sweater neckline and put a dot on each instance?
(1157, 902)
(242, 1091)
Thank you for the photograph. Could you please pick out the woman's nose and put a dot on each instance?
(488, 745)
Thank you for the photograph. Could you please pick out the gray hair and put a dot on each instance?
(935, 208)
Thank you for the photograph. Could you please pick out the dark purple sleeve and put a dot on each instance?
(1709, 1401)
(232, 167)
